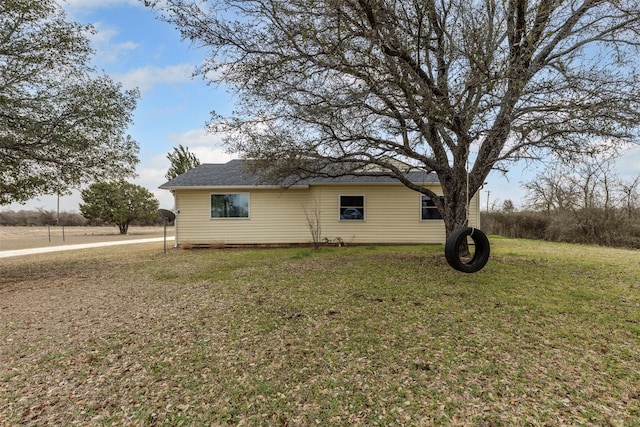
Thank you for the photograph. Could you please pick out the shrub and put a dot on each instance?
(40, 217)
(606, 227)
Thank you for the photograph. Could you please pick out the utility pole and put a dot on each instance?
(488, 194)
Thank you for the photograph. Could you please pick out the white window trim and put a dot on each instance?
(420, 210)
(364, 207)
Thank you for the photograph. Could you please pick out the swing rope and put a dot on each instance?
(459, 236)
(467, 208)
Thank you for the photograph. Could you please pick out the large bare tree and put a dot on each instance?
(456, 87)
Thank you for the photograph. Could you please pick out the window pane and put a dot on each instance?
(352, 208)
(230, 205)
(351, 213)
(429, 210)
(352, 201)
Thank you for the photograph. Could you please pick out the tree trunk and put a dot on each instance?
(456, 205)
(124, 227)
(455, 202)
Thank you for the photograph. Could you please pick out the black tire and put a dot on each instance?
(480, 255)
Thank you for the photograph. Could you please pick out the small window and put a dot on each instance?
(428, 208)
(352, 208)
(230, 205)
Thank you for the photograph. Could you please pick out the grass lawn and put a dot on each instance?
(546, 334)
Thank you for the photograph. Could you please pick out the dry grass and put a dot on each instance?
(547, 334)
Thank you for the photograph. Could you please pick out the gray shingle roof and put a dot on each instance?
(235, 174)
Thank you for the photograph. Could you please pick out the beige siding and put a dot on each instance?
(392, 215)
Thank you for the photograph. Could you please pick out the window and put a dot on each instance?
(428, 209)
(230, 205)
(352, 208)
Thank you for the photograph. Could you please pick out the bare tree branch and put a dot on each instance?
(452, 86)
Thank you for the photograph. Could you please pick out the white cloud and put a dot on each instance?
(207, 147)
(145, 78)
(109, 52)
(68, 203)
(151, 175)
(628, 165)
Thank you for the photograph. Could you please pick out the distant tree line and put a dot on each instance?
(584, 203)
(42, 217)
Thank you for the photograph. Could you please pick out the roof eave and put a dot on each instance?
(226, 187)
(271, 187)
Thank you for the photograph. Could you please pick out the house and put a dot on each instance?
(225, 205)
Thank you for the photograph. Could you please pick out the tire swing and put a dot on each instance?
(480, 254)
(458, 237)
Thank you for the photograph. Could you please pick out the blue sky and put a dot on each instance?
(138, 50)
